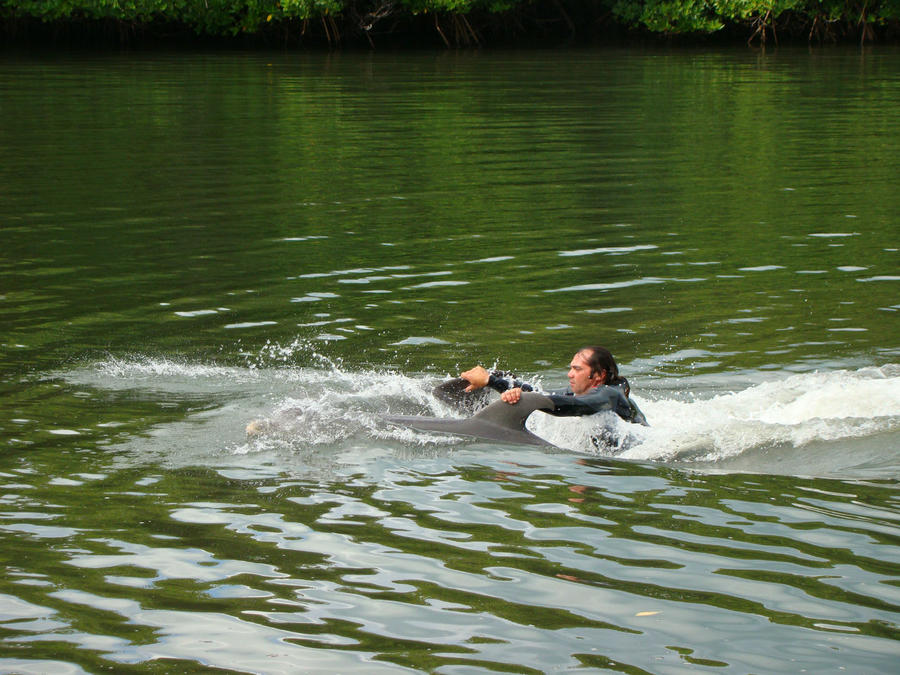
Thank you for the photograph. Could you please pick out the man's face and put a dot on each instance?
(580, 379)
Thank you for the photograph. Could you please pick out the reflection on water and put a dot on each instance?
(714, 200)
(192, 242)
(464, 558)
(337, 542)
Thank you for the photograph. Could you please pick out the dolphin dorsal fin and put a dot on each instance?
(513, 416)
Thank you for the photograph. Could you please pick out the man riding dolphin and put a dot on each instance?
(594, 386)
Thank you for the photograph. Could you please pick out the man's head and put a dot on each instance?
(591, 367)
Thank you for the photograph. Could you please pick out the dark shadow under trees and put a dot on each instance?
(379, 24)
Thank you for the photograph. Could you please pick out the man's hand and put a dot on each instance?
(511, 396)
(477, 378)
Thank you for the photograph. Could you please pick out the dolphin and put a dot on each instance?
(498, 421)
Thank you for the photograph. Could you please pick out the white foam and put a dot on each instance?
(794, 410)
(313, 401)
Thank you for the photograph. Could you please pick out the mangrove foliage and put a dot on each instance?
(448, 22)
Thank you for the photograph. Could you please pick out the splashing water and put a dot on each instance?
(794, 411)
(330, 406)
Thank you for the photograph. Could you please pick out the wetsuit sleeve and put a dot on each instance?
(500, 381)
(597, 400)
(601, 399)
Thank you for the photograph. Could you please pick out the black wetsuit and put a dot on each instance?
(602, 398)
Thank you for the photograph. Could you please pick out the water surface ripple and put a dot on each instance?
(191, 242)
(460, 560)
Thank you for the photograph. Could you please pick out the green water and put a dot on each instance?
(190, 242)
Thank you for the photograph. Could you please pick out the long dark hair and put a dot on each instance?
(600, 359)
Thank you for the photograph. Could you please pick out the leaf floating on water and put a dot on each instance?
(646, 613)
